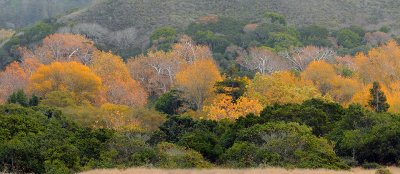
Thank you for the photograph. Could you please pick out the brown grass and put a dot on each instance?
(232, 171)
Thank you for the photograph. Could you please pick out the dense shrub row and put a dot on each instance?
(314, 134)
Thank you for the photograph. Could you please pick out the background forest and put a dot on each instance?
(216, 90)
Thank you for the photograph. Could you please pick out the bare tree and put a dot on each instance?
(189, 51)
(301, 57)
(263, 61)
(156, 71)
(376, 38)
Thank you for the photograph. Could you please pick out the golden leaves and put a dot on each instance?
(281, 88)
(198, 80)
(119, 87)
(223, 108)
(67, 76)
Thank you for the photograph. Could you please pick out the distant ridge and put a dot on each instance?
(134, 20)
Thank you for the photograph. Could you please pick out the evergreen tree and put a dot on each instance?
(170, 103)
(34, 101)
(378, 99)
(18, 97)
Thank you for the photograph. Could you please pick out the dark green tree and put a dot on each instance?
(385, 29)
(34, 100)
(163, 38)
(217, 43)
(170, 103)
(234, 87)
(276, 17)
(348, 38)
(378, 99)
(203, 141)
(315, 35)
(18, 97)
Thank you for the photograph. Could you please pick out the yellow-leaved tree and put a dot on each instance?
(197, 80)
(68, 77)
(392, 93)
(119, 87)
(324, 77)
(281, 88)
(321, 74)
(223, 107)
(381, 64)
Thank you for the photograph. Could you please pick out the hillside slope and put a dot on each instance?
(127, 24)
(21, 13)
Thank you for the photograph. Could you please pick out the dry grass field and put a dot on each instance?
(232, 171)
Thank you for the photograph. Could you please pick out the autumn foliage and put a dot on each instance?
(224, 108)
(119, 87)
(198, 79)
(12, 79)
(180, 107)
(67, 70)
(281, 88)
(62, 47)
(71, 77)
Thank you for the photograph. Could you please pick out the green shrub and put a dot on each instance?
(56, 167)
(41, 140)
(203, 141)
(173, 156)
(385, 29)
(351, 162)
(321, 116)
(371, 166)
(241, 155)
(290, 144)
(130, 152)
(383, 171)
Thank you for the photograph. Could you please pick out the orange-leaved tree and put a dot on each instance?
(70, 77)
(325, 77)
(321, 74)
(381, 64)
(12, 79)
(63, 48)
(198, 80)
(120, 88)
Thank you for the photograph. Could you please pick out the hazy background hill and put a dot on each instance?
(21, 13)
(128, 23)
(125, 26)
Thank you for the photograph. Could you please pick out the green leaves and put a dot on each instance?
(348, 38)
(378, 99)
(281, 144)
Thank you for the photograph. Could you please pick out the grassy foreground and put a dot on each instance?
(242, 171)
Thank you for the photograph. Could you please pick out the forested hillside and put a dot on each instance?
(110, 20)
(15, 14)
(203, 84)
